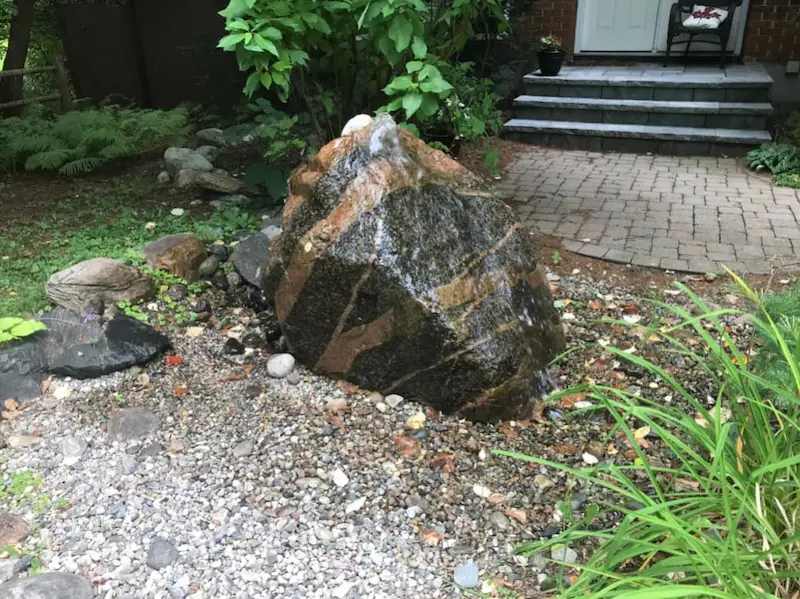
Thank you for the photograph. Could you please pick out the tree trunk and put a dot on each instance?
(19, 39)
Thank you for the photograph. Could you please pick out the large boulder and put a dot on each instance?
(178, 159)
(99, 279)
(397, 271)
(180, 254)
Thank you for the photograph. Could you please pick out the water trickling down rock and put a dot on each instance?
(398, 271)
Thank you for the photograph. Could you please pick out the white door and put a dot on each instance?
(618, 25)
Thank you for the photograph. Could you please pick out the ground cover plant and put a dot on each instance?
(781, 159)
(718, 518)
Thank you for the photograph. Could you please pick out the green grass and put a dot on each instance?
(98, 220)
(719, 516)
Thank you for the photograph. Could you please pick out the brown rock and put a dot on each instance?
(180, 254)
(217, 180)
(12, 529)
(398, 272)
(100, 281)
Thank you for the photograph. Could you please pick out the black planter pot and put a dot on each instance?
(550, 61)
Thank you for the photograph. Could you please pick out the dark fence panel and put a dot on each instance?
(182, 62)
(100, 42)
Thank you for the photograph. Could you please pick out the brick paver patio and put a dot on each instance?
(677, 213)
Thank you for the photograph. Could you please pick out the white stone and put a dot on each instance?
(357, 123)
(280, 365)
(393, 400)
(354, 506)
(177, 212)
(339, 478)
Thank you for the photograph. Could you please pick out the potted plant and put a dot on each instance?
(551, 55)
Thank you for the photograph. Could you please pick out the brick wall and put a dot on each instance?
(773, 31)
(545, 17)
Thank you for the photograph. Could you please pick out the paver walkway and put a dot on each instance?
(677, 213)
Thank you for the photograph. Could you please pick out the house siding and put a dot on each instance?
(772, 34)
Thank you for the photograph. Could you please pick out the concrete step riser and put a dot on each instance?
(630, 117)
(622, 144)
(644, 92)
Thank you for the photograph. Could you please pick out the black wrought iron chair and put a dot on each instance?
(682, 10)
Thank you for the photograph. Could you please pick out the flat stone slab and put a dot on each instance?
(78, 347)
(52, 585)
(250, 255)
(131, 424)
(750, 108)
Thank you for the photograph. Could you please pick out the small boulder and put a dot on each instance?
(51, 585)
(161, 554)
(163, 178)
(12, 529)
(99, 279)
(180, 254)
(249, 256)
(280, 366)
(208, 267)
(218, 181)
(178, 159)
(131, 424)
(210, 153)
(357, 123)
(212, 136)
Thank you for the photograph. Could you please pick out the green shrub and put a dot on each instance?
(82, 141)
(338, 59)
(776, 158)
(787, 180)
(720, 517)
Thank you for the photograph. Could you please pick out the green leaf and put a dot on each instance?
(401, 83)
(26, 328)
(9, 322)
(237, 25)
(271, 33)
(411, 103)
(235, 8)
(419, 48)
(414, 66)
(267, 45)
(5, 337)
(229, 41)
(266, 79)
(400, 31)
(435, 86)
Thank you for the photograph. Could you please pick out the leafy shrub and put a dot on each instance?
(82, 141)
(787, 180)
(719, 518)
(12, 329)
(339, 59)
(776, 158)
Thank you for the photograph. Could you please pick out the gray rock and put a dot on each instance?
(271, 232)
(179, 159)
(564, 554)
(210, 153)
(236, 199)
(234, 279)
(499, 520)
(208, 267)
(163, 178)
(72, 448)
(294, 378)
(280, 365)
(466, 575)
(243, 449)
(217, 180)
(12, 529)
(8, 567)
(76, 346)
(128, 464)
(130, 424)
(161, 554)
(52, 585)
(212, 136)
(101, 281)
(249, 256)
(152, 450)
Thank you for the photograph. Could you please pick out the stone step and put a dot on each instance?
(727, 115)
(693, 141)
(736, 83)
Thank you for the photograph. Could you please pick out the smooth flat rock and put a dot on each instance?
(398, 271)
(249, 256)
(52, 585)
(180, 254)
(217, 180)
(467, 575)
(100, 280)
(130, 424)
(77, 346)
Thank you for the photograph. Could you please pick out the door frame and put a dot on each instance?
(738, 36)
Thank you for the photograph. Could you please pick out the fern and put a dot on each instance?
(81, 165)
(82, 141)
(776, 158)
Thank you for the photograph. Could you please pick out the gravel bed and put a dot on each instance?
(246, 485)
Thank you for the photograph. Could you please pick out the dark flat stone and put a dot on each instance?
(249, 256)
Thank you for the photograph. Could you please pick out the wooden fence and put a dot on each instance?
(63, 95)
